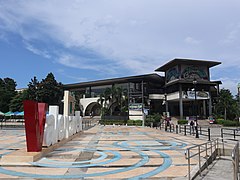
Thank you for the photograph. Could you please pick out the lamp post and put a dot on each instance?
(195, 106)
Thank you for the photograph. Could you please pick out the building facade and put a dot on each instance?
(184, 90)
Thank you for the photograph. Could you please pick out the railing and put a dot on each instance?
(114, 117)
(86, 124)
(205, 132)
(235, 161)
(11, 123)
(204, 148)
(166, 127)
(186, 129)
(230, 132)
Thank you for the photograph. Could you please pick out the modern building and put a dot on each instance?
(184, 90)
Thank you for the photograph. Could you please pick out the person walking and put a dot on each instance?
(192, 126)
(196, 128)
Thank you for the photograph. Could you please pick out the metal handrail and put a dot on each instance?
(164, 126)
(212, 147)
(205, 132)
(88, 123)
(186, 129)
(232, 134)
(235, 161)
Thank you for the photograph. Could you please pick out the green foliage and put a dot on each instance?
(182, 121)
(7, 92)
(226, 106)
(48, 90)
(32, 91)
(227, 122)
(113, 100)
(16, 103)
(155, 118)
(78, 96)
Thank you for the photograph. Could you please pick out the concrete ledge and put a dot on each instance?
(23, 157)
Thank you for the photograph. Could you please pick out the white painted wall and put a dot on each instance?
(173, 96)
(86, 101)
(68, 98)
(136, 115)
(156, 96)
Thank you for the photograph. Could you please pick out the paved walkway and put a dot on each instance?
(220, 169)
(106, 152)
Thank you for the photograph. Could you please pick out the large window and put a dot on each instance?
(97, 90)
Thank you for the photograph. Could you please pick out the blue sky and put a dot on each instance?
(85, 40)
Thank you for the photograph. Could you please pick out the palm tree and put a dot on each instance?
(110, 96)
(104, 100)
(225, 102)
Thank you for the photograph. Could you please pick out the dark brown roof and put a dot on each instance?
(177, 61)
(147, 77)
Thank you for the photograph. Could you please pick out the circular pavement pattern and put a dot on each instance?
(103, 158)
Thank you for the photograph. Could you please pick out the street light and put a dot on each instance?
(195, 106)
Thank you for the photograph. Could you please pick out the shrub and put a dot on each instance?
(227, 122)
(154, 119)
(138, 122)
(157, 117)
(131, 122)
(182, 121)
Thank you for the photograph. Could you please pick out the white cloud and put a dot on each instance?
(233, 35)
(190, 40)
(136, 35)
(3, 37)
(230, 84)
(37, 51)
(77, 78)
(81, 63)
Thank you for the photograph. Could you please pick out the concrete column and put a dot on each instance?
(166, 104)
(204, 109)
(210, 105)
(180, 102)
(66, 103)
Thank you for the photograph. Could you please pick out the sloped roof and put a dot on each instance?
(177, 61)
(146, 77)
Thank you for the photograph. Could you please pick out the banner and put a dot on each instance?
(199, 95)
(136, 106)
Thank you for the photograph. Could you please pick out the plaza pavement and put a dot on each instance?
(105, 152)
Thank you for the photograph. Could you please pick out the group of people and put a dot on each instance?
(194, 127)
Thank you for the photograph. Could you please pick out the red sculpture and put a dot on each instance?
(35, 118)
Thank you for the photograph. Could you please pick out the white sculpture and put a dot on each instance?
(58, 126)
(49, 134)
(61, 130)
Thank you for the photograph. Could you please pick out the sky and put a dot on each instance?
(85, 40)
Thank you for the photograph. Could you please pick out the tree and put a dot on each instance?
(111, 99)
(227, 105)
(104, 101)
(7, 92)
(16, 104)
(50, 91)
(32, 91)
